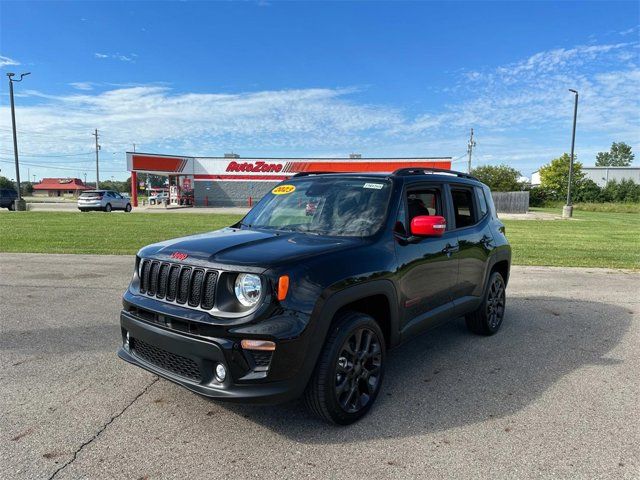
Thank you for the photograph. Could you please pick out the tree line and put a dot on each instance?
(554, 179)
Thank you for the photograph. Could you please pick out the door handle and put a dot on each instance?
(449, 249)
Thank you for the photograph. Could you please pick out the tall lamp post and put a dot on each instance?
(19, 203)
(567, 210)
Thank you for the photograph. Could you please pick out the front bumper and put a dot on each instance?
(190, 362)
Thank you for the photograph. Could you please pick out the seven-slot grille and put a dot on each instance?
(193, 286)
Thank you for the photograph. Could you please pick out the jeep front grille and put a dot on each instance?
(177, 283)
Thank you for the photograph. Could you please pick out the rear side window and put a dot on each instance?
(482, 202)
(463, 207)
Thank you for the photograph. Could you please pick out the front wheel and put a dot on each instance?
(349, 372)
(127, 208)
(487, 319)
(12, 207)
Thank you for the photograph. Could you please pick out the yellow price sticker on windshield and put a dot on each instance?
(283, 189)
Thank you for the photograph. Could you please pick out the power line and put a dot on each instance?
(48, 155)
(59, 168)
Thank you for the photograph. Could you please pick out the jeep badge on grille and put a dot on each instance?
(179, 255)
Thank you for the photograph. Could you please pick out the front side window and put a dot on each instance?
(350, 207)
(427, 201)
(463, 208)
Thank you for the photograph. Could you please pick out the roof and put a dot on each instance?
(408, 173)
(61, 184)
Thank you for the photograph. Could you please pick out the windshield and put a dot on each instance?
(353, 207)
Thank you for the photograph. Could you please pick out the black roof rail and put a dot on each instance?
(304, 174)
(401, 172)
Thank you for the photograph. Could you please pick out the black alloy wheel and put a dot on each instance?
(495, 303)
(358, 370)
(349, 373)
(487, 318)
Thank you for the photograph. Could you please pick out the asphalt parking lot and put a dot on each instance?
(554, 394)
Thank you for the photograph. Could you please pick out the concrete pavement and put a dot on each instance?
(554, 394)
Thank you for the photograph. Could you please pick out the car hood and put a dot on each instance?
(247, 247)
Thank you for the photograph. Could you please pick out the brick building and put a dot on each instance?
(58, 187)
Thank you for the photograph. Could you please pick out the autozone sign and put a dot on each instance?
(258, 166)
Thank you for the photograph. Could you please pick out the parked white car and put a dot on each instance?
(158, 198)
(105, 200)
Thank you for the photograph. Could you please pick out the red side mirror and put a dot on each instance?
(428, 226)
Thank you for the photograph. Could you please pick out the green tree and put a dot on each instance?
(6, 183)
(555, 175)
(619, 155)
(500, 178)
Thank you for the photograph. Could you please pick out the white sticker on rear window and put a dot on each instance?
(376, 186)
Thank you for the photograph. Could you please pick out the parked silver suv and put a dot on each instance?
(105, 200)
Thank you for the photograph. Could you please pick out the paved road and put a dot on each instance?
(554, 394)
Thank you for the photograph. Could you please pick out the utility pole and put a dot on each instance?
(97, 159)
(567, 210)
(19, 203)
(470, 146)
(134, 148)
(85, 178)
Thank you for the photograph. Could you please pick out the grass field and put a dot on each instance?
(97, 232)
(593, 239)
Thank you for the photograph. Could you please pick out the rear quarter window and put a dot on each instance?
(482, 202)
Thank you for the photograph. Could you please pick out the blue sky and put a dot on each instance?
(317, 79)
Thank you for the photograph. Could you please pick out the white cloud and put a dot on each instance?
(199, 123)
(82, 85)
(131, 57)
(6, 61)
(521, 112)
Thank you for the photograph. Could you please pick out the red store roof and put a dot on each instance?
(61, 184)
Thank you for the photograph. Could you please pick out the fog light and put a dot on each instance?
(126, 341)
(221, 372)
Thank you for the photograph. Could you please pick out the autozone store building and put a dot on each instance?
(233, 181)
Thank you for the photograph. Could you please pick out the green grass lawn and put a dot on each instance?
(97, 232)
(594, 239)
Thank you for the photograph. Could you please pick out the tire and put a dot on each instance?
(107, 207)
(82, 210)
(12, 207)
(127, 208)
(337, 368)
(487, 319)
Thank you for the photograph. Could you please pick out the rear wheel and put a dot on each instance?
(487, 319)
(107, 207)
(349, 373)
(12, 206)
(127, 208)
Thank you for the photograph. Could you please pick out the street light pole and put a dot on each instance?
(567, 210)
(19, 203)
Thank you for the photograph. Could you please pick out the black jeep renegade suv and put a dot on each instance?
(286, 303)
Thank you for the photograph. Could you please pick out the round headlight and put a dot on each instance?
(248, 289)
